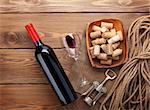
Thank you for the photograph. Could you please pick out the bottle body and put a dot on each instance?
(55, 74)
(52, 69)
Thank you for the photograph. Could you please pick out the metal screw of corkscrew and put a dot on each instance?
(97, 89)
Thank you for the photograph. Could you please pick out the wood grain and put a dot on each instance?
(22, 40)
(34, 97)
(55, 26)
(7, 6)
(28, 97)
(22, 83)
(20, 66)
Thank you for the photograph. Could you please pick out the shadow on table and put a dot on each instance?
(79, 104)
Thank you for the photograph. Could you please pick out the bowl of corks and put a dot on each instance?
(106, 43)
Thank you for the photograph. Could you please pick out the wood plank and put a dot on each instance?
(55, 24)
(34, 97)
(23, 85)
(22, 40)
(28, 97)
(20, 66)
(7, 6)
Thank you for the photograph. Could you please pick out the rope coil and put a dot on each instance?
(131, 89)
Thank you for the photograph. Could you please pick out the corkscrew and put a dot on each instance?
(92, 95)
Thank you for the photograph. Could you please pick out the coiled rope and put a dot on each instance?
(131, 89)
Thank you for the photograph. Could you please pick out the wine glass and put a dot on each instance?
(74, 46)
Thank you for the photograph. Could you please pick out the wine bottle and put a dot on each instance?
(52, 68)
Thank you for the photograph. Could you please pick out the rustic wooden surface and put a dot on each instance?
(7, 6)
(22, 84)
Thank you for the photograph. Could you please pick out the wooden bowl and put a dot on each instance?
(123, 44)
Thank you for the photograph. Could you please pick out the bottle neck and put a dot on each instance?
(38, 43)
(33, 35)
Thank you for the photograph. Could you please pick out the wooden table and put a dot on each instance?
(22, 83)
